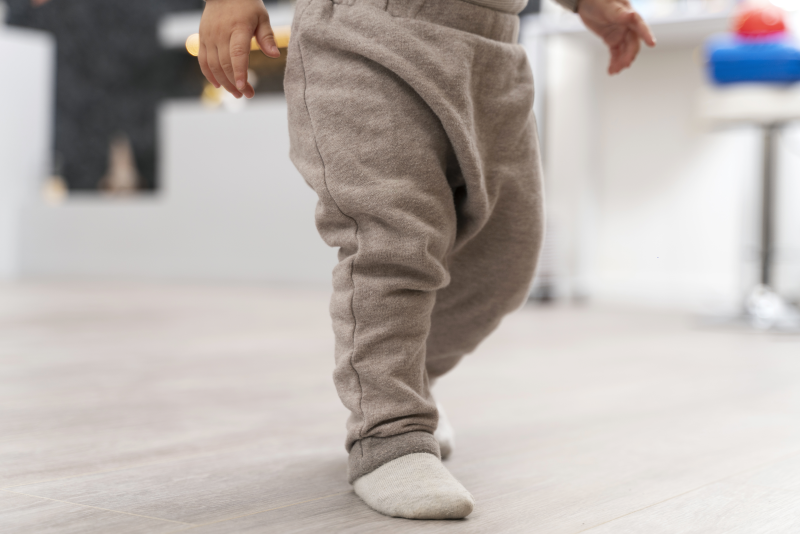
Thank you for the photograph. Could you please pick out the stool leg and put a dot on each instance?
(767, 204)
(765, 309)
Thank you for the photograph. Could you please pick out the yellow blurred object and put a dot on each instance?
(55, 190)
(193, 44)
(211, 97)
(282, 35)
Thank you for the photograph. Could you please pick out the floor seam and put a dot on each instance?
(134, 466)
(759, 466)
(95, 507)
(770, 488)
(257, 512)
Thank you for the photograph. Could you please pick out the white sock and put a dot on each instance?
(444, 434)
(415, 486)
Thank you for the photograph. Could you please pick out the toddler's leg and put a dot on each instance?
(390, 106)
(490, 273)
(377, 156)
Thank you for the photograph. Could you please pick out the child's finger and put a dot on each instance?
(642, 30)
(266, 38)
(240, 57)
(212, 56)
(632, 47)
(617, 53)
(627, 51)
(224, 54)
(248, 91)
(201, 58)
(614, 63)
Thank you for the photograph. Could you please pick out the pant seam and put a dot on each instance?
(355, 223)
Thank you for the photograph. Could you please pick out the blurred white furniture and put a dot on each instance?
(750, 103)
(26, 105)
(231, 204)
(770, 107)
(649, 205)
(576, 103)
(232, 207)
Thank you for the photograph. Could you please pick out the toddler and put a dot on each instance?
(412, 120)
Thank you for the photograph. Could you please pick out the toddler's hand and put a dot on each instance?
(619, 26)
(226, 29)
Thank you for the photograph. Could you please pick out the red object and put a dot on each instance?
(761, 20)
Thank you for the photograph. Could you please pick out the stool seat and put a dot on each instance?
(749, 103)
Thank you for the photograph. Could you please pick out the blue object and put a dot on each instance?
(732, 59)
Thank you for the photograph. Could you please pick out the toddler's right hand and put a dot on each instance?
(226, 29)
(620, 26)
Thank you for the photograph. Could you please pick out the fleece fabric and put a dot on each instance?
(412, 120)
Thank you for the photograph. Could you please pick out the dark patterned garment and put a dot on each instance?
(111, 74)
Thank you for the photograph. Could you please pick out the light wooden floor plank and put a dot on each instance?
(21, 514)
(722, 508)
(255, 477)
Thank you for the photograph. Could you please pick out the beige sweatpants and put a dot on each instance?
(412, 120)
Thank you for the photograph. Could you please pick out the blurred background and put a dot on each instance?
(118, 160)
(165, 343)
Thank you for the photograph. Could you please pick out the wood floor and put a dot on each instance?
(210, 409)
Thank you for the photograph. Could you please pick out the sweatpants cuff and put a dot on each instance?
(368, 454)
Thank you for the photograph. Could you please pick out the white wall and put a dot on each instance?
(26, 98)
(233, 207)
(570, 160)
(674, 192)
